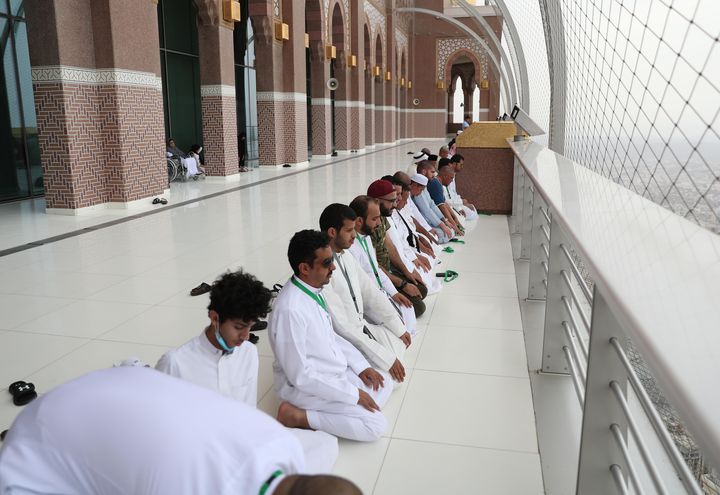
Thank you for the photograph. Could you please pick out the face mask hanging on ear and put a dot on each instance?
(221, 341)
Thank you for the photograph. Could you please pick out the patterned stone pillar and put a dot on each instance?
(217, 99)
(98, 105)
(321, 111)
(282, 115)
(369, 110)
(379, 110)
(219, 122)
(343, 102)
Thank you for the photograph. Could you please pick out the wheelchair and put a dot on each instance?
(176, 170)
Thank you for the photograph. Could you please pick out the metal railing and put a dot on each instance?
(587, 330)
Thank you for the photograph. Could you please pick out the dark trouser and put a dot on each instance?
(418, 304)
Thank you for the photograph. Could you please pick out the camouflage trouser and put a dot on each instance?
(417, 302)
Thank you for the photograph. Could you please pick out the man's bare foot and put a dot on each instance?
(292, 417)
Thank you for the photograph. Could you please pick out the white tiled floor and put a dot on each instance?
(463, 422)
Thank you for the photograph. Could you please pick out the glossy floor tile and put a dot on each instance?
(463, 421)
(420, 467)
(467, 409)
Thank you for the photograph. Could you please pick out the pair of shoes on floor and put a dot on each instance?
(22, 392)
(159, 201)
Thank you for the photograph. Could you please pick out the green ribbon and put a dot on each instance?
(363, 244)
(315, 297)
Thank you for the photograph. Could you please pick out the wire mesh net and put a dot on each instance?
(643, 98)
(529, 25)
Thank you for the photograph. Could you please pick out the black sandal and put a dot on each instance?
(200, 289)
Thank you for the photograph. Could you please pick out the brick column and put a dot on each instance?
(321, 112)
(356, 79)
(379, 114)
(369, 108)
(98, 105)
(217, 98)
(390, 114)
(343, 103)
(281, 97)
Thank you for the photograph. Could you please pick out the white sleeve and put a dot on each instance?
(378, 308)
(350, 327)
(253, 370)
(291, 351)
(167, 365)
(356, 361)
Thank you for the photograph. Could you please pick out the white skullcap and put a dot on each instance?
(419, 179)
(420, 156)
(459, 132)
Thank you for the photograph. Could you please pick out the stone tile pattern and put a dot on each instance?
(342, 122)
(487, 179)
(99, 143)
(429, 124)
(390, 114)
(369, 126)
(356, 116)
(379, 125)
(220, 136)
(287, 120)
(321, 137)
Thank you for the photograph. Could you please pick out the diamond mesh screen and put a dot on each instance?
(529, 24)
(643, 96)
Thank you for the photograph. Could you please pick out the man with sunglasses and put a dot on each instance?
(325, 383)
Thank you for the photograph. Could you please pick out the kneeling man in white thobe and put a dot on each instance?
(222, 359)
(324, 381)
(360, 311)
(133, 430)
(367, 210)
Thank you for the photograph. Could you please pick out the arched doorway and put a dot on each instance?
(180, 71)
(379, 92)
(246, 91)
(369, 109)
(337, 71)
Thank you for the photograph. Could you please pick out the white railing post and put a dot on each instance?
(553, 357)
(599, 446)
(540, 239)
(517, 190)
(527, 213)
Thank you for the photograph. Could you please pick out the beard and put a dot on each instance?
(385, 211)
(365, 230)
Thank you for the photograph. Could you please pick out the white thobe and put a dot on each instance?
(405, 230)
(134, 430)
(410, 211)
(369, 264)
(428, 277)
(317, 370)
(452, 196)
(235, 375)
(370, 310)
